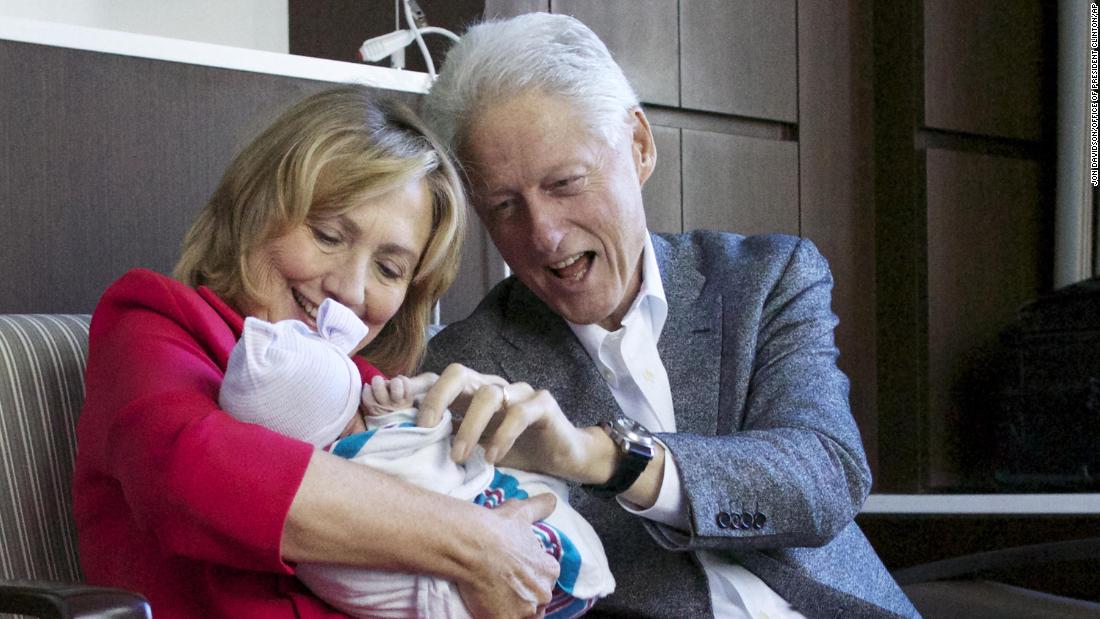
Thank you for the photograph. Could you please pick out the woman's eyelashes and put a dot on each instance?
(391, 271)
(325, 237)
(388, 268)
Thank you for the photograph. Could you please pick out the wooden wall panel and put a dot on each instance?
(984, 231)
(983, 67)
(105, 161)
(740, 57)
(644, 38)
(501, 9)
(835, 148)
(662, 193)
(740, 184)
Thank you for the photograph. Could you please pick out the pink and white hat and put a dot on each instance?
(291, 379)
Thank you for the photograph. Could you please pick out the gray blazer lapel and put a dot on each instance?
(543, 345)
(691, 341)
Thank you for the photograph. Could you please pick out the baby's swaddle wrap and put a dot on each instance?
(302, 383)
(393, 443)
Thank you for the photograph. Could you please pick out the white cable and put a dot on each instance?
(419, 40)
(377, 48)
(393, 44)
(443, 31)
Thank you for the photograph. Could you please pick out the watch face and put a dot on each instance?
(636, 445)
(632, 431)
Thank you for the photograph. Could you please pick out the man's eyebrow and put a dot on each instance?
(480, 185)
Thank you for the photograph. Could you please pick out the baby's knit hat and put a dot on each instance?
(298, 382)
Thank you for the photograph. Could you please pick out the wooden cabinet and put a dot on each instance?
(740, 184)
(643, 37)
(740, 57)
(723, 77)
(982, 66)
(108, 158)
(984, 227)
(964, 167)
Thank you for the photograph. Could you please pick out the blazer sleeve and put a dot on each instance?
(793, 471)
(208, 487)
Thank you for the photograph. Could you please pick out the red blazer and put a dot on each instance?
(172, 497)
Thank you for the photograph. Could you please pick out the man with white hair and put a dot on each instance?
(693, 376)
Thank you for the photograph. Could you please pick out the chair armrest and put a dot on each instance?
(50, 600)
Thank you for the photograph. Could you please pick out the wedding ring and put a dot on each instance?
(503, 397)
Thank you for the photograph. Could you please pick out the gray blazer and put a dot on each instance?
(765, 432)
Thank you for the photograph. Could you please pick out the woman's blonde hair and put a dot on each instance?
(320, 159)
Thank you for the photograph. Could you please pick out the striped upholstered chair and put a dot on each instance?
(42, 360)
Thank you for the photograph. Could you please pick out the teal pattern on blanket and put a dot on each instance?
(349, 446)
(556, 543)
(502, 488)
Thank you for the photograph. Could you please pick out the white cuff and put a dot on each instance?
(670, 508)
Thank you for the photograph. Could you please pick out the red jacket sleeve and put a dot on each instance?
(206, 486)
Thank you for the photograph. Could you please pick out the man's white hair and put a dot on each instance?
(555, 55)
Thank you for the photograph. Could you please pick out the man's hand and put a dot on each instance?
(454, 389)
(519, 426)
(516, 578)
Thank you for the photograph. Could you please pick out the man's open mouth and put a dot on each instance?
(574, 267)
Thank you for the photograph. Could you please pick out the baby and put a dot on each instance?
(304, 384)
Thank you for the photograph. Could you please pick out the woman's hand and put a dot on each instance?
(516, 578)
(493, 556)
(519, 426)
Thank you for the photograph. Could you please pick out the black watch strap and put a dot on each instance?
(633, 458)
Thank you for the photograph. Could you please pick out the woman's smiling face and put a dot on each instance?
(364, 258)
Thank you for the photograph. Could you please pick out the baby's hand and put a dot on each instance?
(383, 396)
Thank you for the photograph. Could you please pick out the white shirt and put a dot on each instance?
(628, 360)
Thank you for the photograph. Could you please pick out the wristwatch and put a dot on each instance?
(636, 449)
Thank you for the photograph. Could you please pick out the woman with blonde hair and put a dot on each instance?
(343, 197)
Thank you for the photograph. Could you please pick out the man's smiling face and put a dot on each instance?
(563, 207)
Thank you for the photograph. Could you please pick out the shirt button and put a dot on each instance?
(607, 375)
(648, 373)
